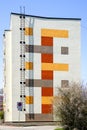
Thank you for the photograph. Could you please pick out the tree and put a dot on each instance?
(70, 106)
(1, 115)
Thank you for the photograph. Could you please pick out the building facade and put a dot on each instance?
(40, 55)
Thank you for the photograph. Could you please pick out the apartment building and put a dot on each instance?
(40, 55)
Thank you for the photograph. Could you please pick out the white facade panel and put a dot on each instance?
(37, 100)
(37, 33)
(28, 74)
(37, 66)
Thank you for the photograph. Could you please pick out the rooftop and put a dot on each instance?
(46, 17)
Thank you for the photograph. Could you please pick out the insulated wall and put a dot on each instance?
(45, 56)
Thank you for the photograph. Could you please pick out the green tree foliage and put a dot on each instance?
(1, 115)
(70, 106)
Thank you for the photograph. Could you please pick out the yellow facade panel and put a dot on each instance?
(29, 100)
(54, 33)
(28, 31)
(55, 67)
(28, 65)
(47, 100)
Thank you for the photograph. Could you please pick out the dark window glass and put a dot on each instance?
(64, 83)
(64, 50)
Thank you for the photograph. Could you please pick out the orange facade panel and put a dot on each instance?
(28, 31)
(28, 65)
(55, 66)
(29, 100)
(47, 108)
(47, 58)
(47, 41)
(47, 91)
(48, 75)
(47, 99)
(54, 33)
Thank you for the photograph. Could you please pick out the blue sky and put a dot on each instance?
(49, 8)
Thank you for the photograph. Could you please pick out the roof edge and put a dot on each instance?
(46, 17)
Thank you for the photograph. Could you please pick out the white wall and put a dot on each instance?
(15, 27)
(8, 77)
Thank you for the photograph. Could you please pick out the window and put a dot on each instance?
(64, 83)
(64, 50)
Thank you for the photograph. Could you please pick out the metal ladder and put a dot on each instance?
(22, 60)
